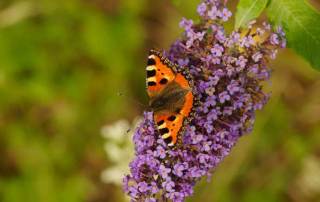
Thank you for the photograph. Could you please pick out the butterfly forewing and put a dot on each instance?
(158, 75)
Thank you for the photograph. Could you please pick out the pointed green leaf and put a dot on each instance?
(248, 10)
(301, 23)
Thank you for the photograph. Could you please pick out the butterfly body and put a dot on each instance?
(170, 100)
(171, 96)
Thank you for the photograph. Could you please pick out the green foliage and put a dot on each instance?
(61, 69)
(301, 23)
(248, 10)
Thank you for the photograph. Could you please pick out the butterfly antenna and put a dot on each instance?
(120, 94)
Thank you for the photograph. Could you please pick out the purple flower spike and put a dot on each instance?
(213, 13)
(178, 169)
(233, 87)
(227, 71)
(224, 96)
(163, 171)
(151, 200)
(186, 24)
(225, 14)
(257, 56)
(274, 39)
(143, 187)
(160, 152)
(202, 8)
(168, 185)
(217, 50)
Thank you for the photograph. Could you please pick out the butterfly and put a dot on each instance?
(171, 96)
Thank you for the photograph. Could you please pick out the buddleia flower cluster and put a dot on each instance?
(228, 71)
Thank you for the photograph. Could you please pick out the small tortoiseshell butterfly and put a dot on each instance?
(171, 97)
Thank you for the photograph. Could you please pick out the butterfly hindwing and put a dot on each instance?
(169, 126)
(171, 96)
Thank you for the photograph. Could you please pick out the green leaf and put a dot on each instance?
(301, 23)
(248, 10)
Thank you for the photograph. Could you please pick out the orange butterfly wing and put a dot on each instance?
(160, 72)
(158, 75)
(169, 126)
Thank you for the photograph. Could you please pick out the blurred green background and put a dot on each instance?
(62, 67)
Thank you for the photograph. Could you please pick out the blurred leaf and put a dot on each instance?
(301, 23)
(248, 10)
